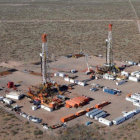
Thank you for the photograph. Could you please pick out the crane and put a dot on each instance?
(109, 50)
(44, 60)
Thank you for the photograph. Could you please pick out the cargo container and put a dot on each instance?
(110, 91)
(129, 115)
(68, 118)
(102, 104)
(105, 121)
(102, 114)
(7, 101)
(89, 109)
(121, 82)
(92, 111)
(95, 113)
(131, 99)
(81, 112)
(135, 79)
(119, 120)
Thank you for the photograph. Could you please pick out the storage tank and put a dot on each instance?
(102, 114)
(88, 113)
(95, 113)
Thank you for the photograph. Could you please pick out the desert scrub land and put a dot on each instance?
(22, 41)
(13, 128)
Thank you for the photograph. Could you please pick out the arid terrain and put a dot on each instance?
(71, 25)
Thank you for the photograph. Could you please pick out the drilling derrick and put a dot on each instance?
(44, 60)
(109, 50)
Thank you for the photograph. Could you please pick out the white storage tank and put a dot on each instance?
(105, 121)
(135, 79)
(7, 101)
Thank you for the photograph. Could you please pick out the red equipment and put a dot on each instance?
(10, 85)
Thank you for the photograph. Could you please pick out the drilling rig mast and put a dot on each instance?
(44, 60)
(109, 49)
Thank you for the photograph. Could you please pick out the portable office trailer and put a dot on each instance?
(131, 99)
(135, 79)
(129, 115)
(67, 79)
(137, 110)
(72, 81)
(136, 97)
(102, 114)
(46, 108)
(61, 74)
(119, 120)
(95, 113)
(88, 113)
(136, 104)
(124, 73)
(105, 121)
(14, 95)
(7, 101)
(121, 82)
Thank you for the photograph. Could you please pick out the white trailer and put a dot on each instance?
(67, 79)
(46, 108)
(136, 97)
(8, 101)
(105, 121)
(119, 120)
(14, 95)
(129, 115)
(135, 79)
(131, 99)
(102, 114)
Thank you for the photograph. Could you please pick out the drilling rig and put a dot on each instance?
(109, 49)
(44, 60)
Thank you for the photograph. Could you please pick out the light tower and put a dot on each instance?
(109, 49)
(44, 60)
